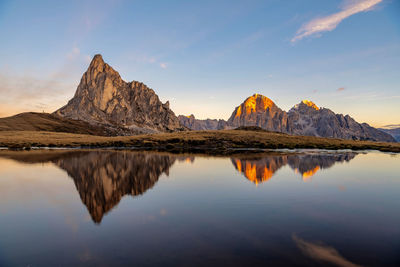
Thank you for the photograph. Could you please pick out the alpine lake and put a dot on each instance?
(128, 208)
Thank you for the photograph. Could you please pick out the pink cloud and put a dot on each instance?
(330, 22)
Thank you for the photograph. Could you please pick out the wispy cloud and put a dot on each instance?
(330, 22)
(391, 126)
(163, 65)
(27, 92)
(74, 53)
(340, 89)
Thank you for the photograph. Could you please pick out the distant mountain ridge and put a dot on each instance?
(393, 130)
(305, 118)
(198, 125)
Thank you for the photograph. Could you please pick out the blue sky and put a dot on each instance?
(206, 57)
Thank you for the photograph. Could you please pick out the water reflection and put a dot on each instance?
(206, 213)
(102, 178)
(260, 169)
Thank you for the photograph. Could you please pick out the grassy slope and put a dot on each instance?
(191, 141)
(31, 121)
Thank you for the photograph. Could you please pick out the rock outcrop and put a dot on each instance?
(102, 97)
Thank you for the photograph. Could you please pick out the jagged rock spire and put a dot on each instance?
(102, 97)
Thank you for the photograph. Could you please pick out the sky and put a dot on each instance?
(207, 57)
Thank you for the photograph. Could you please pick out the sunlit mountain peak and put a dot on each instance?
(254, 103)
(310, 104)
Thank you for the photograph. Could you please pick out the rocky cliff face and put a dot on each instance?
(102, 97)
(198, 125)
(305, 118)
(258, 110)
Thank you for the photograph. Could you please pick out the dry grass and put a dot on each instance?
(190, 141)
(32, 121)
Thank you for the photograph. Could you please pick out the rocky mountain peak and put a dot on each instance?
(97, 60)
(254, 104)
(259, 110)
(102, 97)
(305, 105)
(97, 66)
(310, 104)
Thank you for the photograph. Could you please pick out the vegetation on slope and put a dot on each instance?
(31, 121)
(217, 142)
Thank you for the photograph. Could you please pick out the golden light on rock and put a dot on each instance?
(250, 105)
(254, 103)
(238, 112)
(310, 104)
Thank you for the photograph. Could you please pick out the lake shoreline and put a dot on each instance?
(223, 142)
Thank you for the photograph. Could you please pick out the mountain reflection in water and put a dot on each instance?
(102, 178)
(260, 169)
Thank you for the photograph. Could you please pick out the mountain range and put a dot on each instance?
(305, 118)
(108, 105)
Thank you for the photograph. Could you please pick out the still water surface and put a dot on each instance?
(125, 208)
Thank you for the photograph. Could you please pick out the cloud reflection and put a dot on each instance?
(322, 253)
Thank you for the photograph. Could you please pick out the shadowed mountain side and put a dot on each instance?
(306, 118)
(261, 169)
(199, 125)
(393, 131)
(31, 121)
